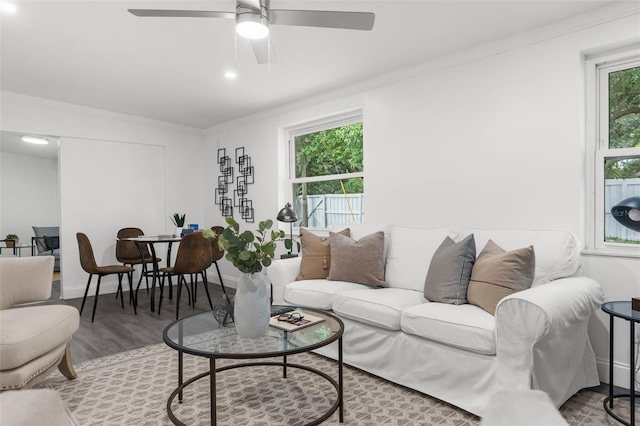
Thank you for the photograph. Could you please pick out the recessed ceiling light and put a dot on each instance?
(230, 75)
(6, 7)
(35, 139)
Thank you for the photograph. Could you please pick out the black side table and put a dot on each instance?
(622, 309)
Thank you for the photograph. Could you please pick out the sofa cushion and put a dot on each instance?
(316, 255)
(410, 253)
(52, 243)
(27, 333)
(497, 274)
(360, 230)
(450, 270)
(358, 261)
(316, 293)
(380, 307)
(464, 326)
(41, 231)
(557, 252)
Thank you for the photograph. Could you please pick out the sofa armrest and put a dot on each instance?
(25, 280)
(542, 334)
(282, 272)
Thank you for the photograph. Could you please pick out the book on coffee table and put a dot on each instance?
(293, 325)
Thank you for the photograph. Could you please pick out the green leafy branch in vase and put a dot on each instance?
(249, 252)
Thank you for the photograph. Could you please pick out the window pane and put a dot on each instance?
(624, 108)
(324, 204)
(329, 152)
(622, 181)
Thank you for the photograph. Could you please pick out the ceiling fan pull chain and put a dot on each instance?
(269, 54)
(235, 48)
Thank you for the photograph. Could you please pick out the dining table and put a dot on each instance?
(151, 241)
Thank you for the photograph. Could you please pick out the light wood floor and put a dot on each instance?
(116, 330)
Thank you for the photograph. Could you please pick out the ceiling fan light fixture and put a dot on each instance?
(38, 140)
(252, 25)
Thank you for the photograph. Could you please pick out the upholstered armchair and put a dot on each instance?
(34, 338)
(46, 243)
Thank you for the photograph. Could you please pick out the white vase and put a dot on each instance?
(179, 231)
(252, 307)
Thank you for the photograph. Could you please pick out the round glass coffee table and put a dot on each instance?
(203, 336)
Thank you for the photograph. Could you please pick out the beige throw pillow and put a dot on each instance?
(449, 271)
(357, 261)
(316, 255)
(497, 274)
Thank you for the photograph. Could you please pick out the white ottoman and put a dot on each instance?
(33, 407)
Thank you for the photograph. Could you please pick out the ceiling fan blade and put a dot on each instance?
(261, 51)
(325, 19)
(252, 4)
(160, 13)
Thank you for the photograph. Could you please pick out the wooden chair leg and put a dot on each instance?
(66, 364)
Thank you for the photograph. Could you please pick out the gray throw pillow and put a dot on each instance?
(450, 270)
(357, 261)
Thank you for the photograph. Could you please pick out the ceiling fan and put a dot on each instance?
(253, 18)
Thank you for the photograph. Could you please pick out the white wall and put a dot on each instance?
(492, 138)
(124, 181)
(29, 187)
(84, 134)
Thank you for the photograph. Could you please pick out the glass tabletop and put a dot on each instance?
(201, 334)
(621, 309)
(154, 239)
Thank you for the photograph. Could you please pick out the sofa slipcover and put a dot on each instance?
(538, 338)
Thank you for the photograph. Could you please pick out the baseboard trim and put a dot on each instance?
(620, 373)
(109, 285)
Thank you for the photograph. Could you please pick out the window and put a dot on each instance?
(326, 174)
(614, 134)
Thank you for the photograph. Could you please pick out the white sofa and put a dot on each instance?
(461, 354)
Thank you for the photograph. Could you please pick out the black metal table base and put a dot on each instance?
(608, 407)
(338, 405)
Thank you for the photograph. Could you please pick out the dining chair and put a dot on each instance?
(130, 253)
(193, 258)
(217, 254)
(88, 263)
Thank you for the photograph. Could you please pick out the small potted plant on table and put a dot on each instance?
(11, 240)
(178, 221)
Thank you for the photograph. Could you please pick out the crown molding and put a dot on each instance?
(616, 11)
(96, 112)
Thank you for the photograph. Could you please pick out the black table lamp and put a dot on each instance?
(287, 214)
(627, 213)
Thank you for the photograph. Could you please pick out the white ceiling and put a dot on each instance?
(94, 53)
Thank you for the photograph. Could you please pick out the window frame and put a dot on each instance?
(598, 152)
(324, 123)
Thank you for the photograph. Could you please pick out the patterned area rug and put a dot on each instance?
(132, 388)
